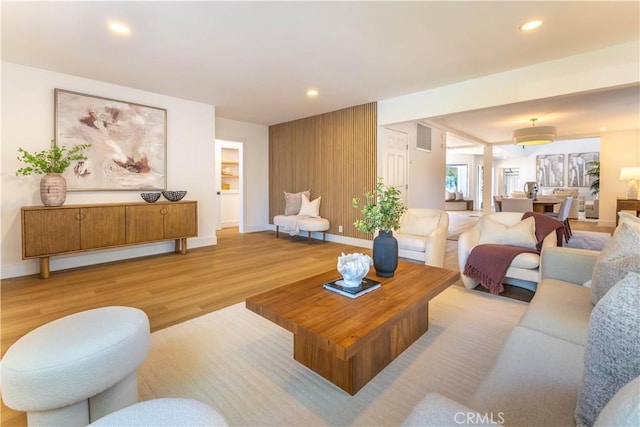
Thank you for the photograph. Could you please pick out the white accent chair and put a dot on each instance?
(517, 205)
(423, 235)
(524, 271)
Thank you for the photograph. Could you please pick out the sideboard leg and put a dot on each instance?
(44, 267)
(183, 246)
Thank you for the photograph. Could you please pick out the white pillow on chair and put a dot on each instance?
(308, 208)
(522, 234)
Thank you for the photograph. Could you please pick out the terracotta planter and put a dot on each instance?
(53, 189)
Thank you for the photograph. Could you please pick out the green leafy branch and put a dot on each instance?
(382, 209)
(54, 160)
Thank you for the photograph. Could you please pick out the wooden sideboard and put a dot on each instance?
(48, 231)
(627, 205)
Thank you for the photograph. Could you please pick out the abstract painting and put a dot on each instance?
(577, 166)
(128, 142)
(550, 170)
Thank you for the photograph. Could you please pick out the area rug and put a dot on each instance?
(588, 240)
(242, 365)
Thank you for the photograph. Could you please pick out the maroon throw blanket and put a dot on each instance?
(488, 264)
(545, 225)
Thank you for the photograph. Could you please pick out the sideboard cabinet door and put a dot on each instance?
(102, 227)
(49, 231)
(180, 220)
(145, 223)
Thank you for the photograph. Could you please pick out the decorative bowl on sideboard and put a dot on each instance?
(150, 197)
(174, 196)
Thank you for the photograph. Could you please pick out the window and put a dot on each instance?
(457, 178)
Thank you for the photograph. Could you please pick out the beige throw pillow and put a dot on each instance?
(626, 218)
(293, 202)
(619, 256)
(308, 208)
(522, 234)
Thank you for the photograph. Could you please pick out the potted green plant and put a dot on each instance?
(381, 211)
(51, 163)
(594, 172)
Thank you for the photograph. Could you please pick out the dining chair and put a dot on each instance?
(563, 216)
(517, 205)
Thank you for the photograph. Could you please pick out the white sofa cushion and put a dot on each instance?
(623, 409)
(533, 382)
(560, 309)
(522, 234)
(612, 355)
(437, 410)
(527, 261)
(411, 242)
(619, 256)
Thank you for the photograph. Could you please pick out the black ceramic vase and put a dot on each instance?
(385, 254)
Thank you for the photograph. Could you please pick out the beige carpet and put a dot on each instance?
(241, 364)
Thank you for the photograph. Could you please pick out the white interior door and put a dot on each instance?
(396, 149)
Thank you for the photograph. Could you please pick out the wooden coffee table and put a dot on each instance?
(349, 341)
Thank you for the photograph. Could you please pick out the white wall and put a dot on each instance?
(617, 150)
(27, 121)
(255, 139)
(613, 66)
(423, 192)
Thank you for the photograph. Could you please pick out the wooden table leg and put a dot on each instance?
(44, 267)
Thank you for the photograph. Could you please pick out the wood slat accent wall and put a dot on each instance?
(333, 154)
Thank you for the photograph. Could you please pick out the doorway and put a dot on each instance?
(229, 184)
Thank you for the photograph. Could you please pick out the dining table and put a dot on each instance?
(545, 205)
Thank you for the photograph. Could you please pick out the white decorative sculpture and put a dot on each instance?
(353, 268)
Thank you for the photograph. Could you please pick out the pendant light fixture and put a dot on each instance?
(534, 135)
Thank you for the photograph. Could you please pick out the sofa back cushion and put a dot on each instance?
(619, 256)
(612, 353)
(411, 223)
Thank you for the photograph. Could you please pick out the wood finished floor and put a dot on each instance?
(172, 288)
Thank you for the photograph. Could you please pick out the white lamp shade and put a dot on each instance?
(627, 174)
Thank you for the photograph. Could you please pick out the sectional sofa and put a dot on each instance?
(574, 358)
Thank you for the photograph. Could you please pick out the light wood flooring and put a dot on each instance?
(174, 288)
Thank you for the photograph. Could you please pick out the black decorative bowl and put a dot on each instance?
(174, 196)
(150, 197)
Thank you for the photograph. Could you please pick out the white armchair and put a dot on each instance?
(423, 235)
(524, 270)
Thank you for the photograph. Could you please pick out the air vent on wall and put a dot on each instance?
(424, 138)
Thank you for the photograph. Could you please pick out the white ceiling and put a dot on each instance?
(255, 60)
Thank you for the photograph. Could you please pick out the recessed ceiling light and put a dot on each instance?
(118, 27)
(312, 93)
(603, 129)
(531, 25)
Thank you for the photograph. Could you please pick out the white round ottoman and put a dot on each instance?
(314, 224)
(174, 412)
(78, 368)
